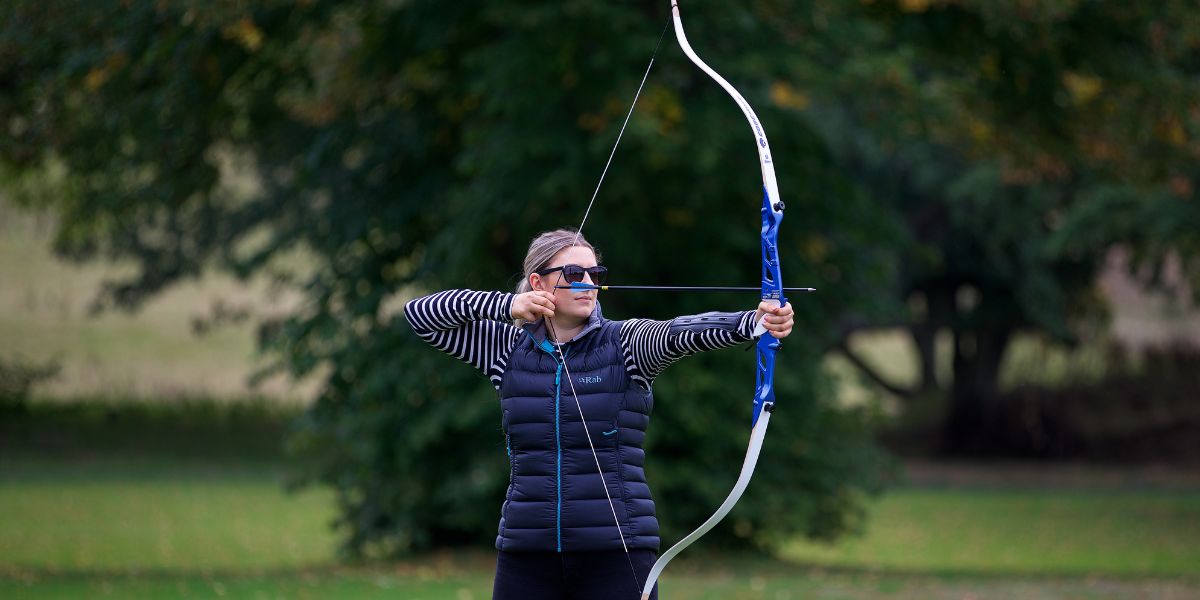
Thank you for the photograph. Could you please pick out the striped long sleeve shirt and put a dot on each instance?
(476, 328)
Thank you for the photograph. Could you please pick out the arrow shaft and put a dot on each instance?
(668, 288)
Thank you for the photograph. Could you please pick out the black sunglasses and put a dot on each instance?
(574, 273)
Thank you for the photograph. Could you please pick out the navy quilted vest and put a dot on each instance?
(555, 499)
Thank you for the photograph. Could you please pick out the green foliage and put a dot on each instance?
(18, 376)
(973, 160)
(416, 146)
(1017, 143)
(185, 429)
(968, 163)
(814, 476)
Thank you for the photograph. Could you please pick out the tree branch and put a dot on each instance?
(875, 376)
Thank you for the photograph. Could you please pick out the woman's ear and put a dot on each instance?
(535, 282)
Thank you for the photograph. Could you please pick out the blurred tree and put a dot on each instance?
(415, 146)
(1017, 143)
(18, 376)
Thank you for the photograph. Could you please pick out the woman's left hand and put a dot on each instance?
(778, 320)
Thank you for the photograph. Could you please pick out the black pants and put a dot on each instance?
(572, 575)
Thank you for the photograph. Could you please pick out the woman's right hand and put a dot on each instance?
(532, 306)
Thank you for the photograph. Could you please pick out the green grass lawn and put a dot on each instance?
(194, 518)
(165, 527)
(692, 581)
(100, 515)
(1035, 531)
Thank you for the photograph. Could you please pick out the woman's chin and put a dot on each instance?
(583, 308)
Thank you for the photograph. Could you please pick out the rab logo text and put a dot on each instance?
(590, 379)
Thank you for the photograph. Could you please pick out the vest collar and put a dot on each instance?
(539, 333)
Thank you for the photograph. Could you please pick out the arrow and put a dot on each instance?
(583, 287)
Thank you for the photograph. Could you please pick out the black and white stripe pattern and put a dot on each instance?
(476, 328)
(651, 346)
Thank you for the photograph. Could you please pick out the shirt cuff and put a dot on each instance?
(504, 308)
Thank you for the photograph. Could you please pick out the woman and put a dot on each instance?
(575, 390)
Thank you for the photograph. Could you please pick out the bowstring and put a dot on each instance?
(632, 105)
(596, 457)
(550, 325)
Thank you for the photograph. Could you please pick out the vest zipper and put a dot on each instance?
(548, 348)
(558, 449)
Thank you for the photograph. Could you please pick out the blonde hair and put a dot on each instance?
(542, 250)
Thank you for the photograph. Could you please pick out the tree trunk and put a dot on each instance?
(938, 314)
(972, 427)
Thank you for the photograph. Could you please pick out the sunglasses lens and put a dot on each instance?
(572, 273)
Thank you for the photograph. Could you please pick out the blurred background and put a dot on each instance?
(211, 214)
